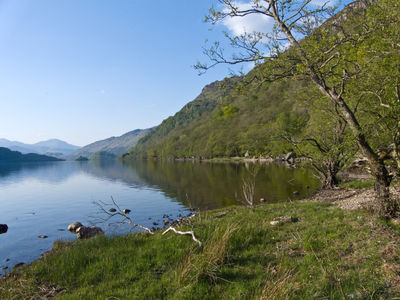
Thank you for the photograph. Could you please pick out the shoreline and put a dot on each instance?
(341, 214)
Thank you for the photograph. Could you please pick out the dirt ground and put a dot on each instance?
(351, 198)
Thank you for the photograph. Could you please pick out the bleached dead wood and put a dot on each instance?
(183, 233)
(123, 213)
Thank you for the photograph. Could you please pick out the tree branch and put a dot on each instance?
(183, 233)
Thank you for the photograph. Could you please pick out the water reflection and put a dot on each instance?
(214, 185)
(40, 198)
(194, 184)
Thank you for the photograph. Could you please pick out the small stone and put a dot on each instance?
(166, 222)
(42, 236)
(4, 268)
(396, 221)
(7, 259)
(223, 214)
(284, 219)
(74, 227)
(19, 265)
(112, 210)
(155, 224)
(126, 211)
(3, 228)
(262, 200)
(296, 193)
(60, 229)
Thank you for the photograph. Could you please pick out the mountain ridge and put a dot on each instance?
(115, 145)
(55, 147)
(7, 155)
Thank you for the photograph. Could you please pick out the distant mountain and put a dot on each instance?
(51, 147)
(6, 155)
(115, 146)
(55, 146)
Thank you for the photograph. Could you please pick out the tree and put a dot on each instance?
(328, 57)
(325, 140)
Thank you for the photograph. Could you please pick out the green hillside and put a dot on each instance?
(228, 122)
(6, 155)
(257, 115)
(157, 143)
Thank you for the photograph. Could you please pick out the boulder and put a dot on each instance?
(3, 228)
(126, 211)
(84, 232)
(290, 157)
(74, 227)
(20, 264)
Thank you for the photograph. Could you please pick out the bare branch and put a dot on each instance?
(183, 233)
(117, 212)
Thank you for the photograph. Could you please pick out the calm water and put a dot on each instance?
(43, 198)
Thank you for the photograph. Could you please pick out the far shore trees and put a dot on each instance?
(339, 55)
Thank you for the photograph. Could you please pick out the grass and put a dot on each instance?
(329, 254)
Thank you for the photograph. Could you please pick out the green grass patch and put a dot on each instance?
(328, 254)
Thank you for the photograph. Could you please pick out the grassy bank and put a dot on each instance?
(329, 253)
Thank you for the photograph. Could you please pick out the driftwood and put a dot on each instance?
(123, 213)
(183, 233)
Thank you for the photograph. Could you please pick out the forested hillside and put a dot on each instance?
(331, 96)
(6, 156)
(238, 122)
(153, 144)
(254, 115)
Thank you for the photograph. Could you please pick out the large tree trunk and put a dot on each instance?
(330, 180)
(388, 206)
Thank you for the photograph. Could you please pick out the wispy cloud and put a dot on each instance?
(257, 22)
(249, 23)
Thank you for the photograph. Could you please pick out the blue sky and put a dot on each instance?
(86, 70)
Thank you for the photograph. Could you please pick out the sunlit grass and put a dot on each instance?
(328, 254)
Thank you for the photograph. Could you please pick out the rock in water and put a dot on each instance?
(74, 227)
(112, 210)
(3, 228)
(126, 211)
(19, 265)
(42, 236)
(84, 232)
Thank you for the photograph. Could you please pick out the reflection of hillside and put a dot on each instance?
(206, 185)
(52, 172)
(113, 171)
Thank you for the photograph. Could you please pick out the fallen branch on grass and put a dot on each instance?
(183, 233)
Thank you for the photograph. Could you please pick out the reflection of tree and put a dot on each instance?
(213, 185)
